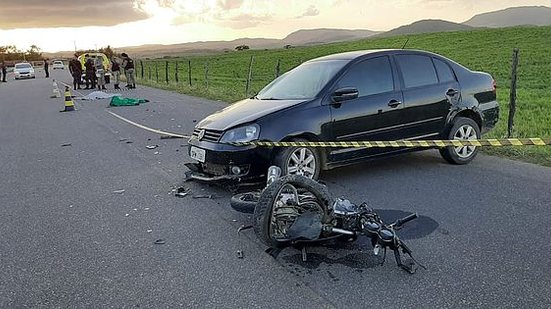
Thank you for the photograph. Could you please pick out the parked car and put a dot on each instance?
(357, 96)
(58, 64)
(23, 70)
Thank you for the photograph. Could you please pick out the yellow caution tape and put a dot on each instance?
(407, 144)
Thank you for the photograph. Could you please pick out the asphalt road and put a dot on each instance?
(68, 240)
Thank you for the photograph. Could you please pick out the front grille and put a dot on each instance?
(214, 169)
(210, 135)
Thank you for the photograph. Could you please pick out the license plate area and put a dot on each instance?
(198, 154)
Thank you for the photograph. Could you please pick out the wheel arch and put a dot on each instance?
(311, 137)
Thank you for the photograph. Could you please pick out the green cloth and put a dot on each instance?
(118, 101)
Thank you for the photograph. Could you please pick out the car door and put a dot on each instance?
(428, 94)
(374, 115)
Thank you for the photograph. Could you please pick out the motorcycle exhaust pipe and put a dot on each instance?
(341, 231)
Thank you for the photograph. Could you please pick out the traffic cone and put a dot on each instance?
(56, 93)
(69, 105)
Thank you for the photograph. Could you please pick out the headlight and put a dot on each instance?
(241, 134)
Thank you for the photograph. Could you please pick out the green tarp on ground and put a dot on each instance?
(119, 101)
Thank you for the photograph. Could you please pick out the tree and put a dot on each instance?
(34, 53)
(242, 47)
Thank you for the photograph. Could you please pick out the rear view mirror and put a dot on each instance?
(345, 94)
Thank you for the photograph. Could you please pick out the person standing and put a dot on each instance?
(116, 69)
(100, 70)
(46, 67)
(75, 67)
(3, 70)
(128, 65)
(90, 72)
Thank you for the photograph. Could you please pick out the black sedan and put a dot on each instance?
(357, 96)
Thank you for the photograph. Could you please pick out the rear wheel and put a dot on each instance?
(282, 202)
(462, 129)
(303, 161)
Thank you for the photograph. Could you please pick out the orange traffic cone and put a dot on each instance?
(69, 104)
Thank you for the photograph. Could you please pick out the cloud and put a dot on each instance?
(67, 13)
(244, 21)
(312, 10)
(230, 4)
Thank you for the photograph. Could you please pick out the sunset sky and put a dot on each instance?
(56, 25)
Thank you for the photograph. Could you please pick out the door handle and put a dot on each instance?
(394, 103)
(452, 92)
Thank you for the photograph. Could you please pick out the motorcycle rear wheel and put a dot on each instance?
(263, 212)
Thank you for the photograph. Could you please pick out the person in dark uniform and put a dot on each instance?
(75, 67)
(128, 65)
(116, 69)
(4, 71)
(46, 67)
(90, 72)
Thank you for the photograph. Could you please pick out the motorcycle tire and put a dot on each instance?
(245, 202)
(262, 216)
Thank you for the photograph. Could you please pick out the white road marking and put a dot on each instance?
(147, 128)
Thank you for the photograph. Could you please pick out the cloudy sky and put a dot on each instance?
(60, 24)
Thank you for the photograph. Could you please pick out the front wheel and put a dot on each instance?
(283, 202)
(299, 160)
(462, 129)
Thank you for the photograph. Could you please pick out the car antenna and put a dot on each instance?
(406, 43)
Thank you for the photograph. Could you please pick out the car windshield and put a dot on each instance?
(23, 66)
(302, 83)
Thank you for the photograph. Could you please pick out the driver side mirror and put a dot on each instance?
(345, 94)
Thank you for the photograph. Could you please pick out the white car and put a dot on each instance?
(23, 70)
(58, 65)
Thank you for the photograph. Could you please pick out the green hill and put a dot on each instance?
(488, 50)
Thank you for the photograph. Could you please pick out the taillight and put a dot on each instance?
(495, 85)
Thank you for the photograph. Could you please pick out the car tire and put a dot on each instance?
(295, 165)
(462, 129)
(245, 202)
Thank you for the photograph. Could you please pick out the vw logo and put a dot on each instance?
(201, 134)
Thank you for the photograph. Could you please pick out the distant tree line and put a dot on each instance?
(11, 53)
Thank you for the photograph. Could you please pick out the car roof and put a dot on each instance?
(22, 63)
(362, 53)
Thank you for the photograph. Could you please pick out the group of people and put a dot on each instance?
(94, 69)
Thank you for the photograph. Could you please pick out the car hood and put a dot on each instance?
(243, 112)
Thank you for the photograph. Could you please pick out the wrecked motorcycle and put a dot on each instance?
(295, 211)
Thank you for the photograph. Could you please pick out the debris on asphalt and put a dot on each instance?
(194, 120)
(239, 254)
(181, 192)
(123, 139)
(156, 153)
(129, 142)
(146, 209)
(127, 215)
(70, 206)
(210, 197)
(67, 145)
(171, 137)
(151, 147)
(160, 242)
(119, 191)
(135, 209)
(234, 220)
(149, 231)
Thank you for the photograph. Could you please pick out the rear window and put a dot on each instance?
(417, 70)
(444, 72)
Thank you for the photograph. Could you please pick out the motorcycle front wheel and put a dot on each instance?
(285, 200)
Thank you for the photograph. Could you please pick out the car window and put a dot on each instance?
(417, 70)
(303, 82)
(445, 74)
(23, 66)
(370, 77)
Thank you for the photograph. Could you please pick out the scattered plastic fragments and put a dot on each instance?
(67, 145)
(127, 215)
(239, 254)
(210, 197)
(151, 147)
(181, 192)
(119, 191)
(160, 242)
(149, 231)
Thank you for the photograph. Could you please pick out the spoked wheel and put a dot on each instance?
(463, 129)
(303, 161)
(283, 202)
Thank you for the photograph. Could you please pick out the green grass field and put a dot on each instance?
(484, 50)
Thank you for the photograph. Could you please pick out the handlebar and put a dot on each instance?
(400, 222)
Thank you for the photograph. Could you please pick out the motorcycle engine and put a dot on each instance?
(347, 215)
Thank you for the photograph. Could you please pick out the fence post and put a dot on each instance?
(248, 86)
(156, 72)
(166, 71)
(149, 71)
(176, 72)
(141, 67)
(513, 96)
(278, 68)
(189, 72)
(207, 74)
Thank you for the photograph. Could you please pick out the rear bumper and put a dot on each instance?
(490, 116)
(227, 162)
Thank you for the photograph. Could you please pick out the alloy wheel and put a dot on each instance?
(302, 162)
(465, 132)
